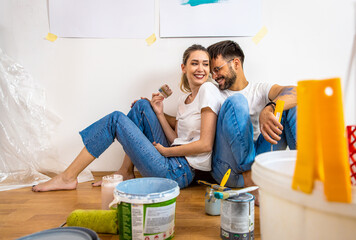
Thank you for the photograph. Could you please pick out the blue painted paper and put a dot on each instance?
(194, 3)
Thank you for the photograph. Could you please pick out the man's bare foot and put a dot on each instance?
(125, 175)
(248, 183)
(56, 183)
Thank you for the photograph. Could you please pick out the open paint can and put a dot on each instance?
(238, 217)
(146, 208)
(212, 205)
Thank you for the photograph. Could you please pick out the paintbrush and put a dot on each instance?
(225, 178)
(214, 186)
(232, 193)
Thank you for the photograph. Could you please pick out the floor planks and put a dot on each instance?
(23, 212)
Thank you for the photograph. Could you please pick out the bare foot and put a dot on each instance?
(248, 183)
(56, 183)
(125, 175)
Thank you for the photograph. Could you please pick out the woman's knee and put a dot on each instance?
(142, 104)
(116, 116)
(140, 107)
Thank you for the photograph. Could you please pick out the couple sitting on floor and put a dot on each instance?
(215, 129)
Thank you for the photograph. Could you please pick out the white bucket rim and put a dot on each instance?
(155, 197)
(280, 184)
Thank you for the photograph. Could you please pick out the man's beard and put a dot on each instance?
(229, 80)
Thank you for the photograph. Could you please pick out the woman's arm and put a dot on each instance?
(204, 144)
(171, 120)
(157, 106)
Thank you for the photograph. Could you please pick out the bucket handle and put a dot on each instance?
(114, 202)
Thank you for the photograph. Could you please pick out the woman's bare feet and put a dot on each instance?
(125, 174)
(248, 183)
(56, 183)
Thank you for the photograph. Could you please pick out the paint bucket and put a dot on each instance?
(212, 204)
(238, 217)
(146, 208)
(293, 215)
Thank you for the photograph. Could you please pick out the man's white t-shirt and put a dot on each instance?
(257, 98)
(189, 121)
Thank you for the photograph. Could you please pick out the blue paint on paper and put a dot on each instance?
(194, 3)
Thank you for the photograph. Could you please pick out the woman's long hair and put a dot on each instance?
(184, 84)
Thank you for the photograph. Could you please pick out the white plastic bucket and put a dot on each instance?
(289, 214)
(146, 208)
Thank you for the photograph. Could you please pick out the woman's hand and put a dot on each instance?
(162, 150)
(157, 103)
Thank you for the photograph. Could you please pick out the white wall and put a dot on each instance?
(87, 78)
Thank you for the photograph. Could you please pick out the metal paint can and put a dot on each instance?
(238, 217)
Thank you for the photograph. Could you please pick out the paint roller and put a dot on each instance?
(100, 221)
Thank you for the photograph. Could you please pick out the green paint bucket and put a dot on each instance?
(146, 208)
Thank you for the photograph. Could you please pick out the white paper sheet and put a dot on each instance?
(210, 18)
(102, 18)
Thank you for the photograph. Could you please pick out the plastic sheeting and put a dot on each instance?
(27, 156)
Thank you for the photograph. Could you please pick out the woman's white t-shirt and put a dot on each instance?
(189, 121)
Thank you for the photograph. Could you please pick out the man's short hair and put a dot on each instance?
(227, 49)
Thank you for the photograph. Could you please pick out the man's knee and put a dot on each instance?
(238, 100)
(291, 128)
(289, 118)
(292, 112)
(236, 103)
(234, 110)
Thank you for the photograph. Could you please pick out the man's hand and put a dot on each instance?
(269, 125)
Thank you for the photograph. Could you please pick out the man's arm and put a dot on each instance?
(286, 93)
(269, 125)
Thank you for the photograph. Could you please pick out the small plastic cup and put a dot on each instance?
(108, 185)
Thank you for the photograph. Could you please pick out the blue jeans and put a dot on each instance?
(234, 145)
(136, 131)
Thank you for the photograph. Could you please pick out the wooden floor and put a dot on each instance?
(23, 212)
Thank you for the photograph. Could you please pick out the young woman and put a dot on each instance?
(156, 146)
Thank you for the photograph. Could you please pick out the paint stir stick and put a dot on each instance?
(278, 113)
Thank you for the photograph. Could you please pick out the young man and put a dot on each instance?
(246, 123)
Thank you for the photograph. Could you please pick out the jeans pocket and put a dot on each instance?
(179, 171)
